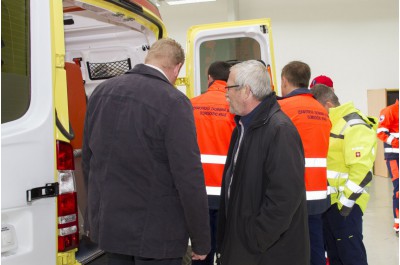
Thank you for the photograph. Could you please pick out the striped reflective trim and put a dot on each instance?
(213, 159)
(356, 121)
(315, 162)
(333, 190)
(354, 187)
(353, 121)
(213, 190)
(392, 150)
(395, 134)
(316, 195)
(346, 202)
(396, 220)
(379, 130)
(334, 175)
(389, 139)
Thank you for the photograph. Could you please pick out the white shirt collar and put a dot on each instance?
(155, 67)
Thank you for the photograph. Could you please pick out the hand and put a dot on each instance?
(198, 257)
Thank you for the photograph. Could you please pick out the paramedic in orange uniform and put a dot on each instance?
(214, 125)
(388, 133)
(313, 124)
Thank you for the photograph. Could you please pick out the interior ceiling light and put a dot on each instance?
(181, 2)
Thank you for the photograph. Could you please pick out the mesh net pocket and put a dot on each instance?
(108, 70)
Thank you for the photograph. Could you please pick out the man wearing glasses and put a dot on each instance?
(263, 212)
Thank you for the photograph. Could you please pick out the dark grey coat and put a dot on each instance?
(265, 220)
(141, 162)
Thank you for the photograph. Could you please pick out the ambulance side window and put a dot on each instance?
(15, 56)
(240, 49)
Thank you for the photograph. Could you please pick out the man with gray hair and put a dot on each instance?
(263, 212)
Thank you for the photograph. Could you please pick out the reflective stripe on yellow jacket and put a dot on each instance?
(352, 151)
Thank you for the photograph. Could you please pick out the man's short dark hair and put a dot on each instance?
(219, 70)
(297, 73)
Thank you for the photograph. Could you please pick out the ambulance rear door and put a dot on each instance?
(228, 41)
(28, 229)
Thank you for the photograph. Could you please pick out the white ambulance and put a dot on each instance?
(53, 55)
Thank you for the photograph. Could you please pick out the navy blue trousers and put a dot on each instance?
(316, 240)
(343, 237)
(393, 168)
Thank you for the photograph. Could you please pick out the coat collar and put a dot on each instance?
(217, 85)
(296, 92)
(261, 114)
(335, 114)
(147, 70)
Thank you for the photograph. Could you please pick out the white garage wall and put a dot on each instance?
(355, 42)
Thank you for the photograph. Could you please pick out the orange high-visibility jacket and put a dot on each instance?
(312, 122)
(388, 130)
(214, 126)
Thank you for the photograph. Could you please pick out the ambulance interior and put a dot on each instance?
(99, 45)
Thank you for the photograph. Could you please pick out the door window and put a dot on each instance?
(240, 49)
(15, 54)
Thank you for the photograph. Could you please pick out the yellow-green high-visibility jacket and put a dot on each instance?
(351, 155)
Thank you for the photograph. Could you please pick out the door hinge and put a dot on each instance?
(263, 29)
(50, 190)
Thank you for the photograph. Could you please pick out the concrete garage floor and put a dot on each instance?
(380, 240)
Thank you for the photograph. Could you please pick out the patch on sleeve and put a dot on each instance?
(381, 118)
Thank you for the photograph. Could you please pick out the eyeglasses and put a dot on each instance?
(228, 87)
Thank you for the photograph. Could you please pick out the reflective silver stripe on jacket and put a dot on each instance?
(346, 202)
(213, 190)
(379, 130)
(316, 195)
(213, 159)
(315, 162)
(332, 190)
(392, 150)
(390, 139)
(354, 187)
(352, 122)
(335, 175)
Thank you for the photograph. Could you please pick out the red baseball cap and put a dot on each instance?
(322, 79)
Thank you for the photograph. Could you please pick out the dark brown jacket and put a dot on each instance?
(146, 191)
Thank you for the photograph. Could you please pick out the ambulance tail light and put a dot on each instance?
(68, 233)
